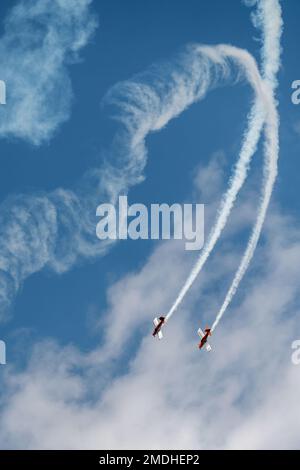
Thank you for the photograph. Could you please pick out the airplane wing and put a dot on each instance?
(200, 333)
(156, 321)
(208, 347)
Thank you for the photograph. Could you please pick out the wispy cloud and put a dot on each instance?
(40, 41)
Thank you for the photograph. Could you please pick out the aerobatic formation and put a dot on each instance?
(263, 120)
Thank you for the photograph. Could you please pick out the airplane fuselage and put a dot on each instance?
(204, 339)
(158, 327)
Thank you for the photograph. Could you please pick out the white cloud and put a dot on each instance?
(170, 395)
(40, 39)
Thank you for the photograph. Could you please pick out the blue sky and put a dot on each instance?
(81, 307)
(114, 54)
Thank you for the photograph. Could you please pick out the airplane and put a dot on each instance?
(158, 323)
(204, 337)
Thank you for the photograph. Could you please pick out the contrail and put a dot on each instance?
(269, 16)
(262, 109)
(56, 229)
(250, 141)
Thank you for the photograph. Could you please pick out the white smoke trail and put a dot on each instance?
(269, 16)
(56, 229)
(271, 50)
(251, 138)
(248, 149)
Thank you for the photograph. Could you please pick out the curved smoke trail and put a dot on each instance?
(56, 229)
(249, 146)
(269, 17)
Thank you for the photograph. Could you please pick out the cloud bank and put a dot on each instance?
(168, 395)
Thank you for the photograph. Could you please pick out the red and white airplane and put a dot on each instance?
(204, 338)
(158, 323)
